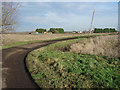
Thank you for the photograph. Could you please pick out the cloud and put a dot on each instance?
(70, 16)
(69, 5)
(43, 4)
(51, 19)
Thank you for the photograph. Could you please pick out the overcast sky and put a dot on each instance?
(68, 15)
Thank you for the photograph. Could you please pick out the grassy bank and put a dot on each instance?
(103, 45)
(51, 67)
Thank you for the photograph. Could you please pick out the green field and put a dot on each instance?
(52, 67)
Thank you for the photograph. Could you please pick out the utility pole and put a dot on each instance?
(91, 22)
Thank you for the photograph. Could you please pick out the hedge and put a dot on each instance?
(105, 30)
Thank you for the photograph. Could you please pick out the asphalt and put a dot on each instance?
(14, 71)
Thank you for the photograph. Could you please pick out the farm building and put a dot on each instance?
(77, 32)
(47, 32)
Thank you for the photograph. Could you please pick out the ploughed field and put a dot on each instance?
(71, 64)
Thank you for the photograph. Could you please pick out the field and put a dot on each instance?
(60, 65)
(9, 40)
(13, 38)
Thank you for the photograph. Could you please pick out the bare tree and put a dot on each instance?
(9, 15)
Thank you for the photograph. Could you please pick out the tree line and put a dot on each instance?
(53, 30)
(105, 30)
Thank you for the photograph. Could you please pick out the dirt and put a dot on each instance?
(14, 71)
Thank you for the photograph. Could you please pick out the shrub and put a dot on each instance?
(40, 30)
(56, 30)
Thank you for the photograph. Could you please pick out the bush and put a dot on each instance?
(40, 30)
(105, 30)
(56, 30)
(98, 30)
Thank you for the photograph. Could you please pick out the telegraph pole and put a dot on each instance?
(91, 22)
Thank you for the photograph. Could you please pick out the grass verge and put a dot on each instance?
(52, 68)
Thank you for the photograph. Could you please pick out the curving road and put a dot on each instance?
(14, 71)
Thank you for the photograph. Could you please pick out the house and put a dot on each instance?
(47, 32)
(33, 32)
(80, 31)
(77, 32)
(85, 32)
(74, 32)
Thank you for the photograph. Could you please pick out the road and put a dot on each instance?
(14, 71)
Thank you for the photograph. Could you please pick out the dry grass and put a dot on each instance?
(102, 45)
(12, 38)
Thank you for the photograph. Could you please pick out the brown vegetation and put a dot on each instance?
(102, 45)
(13, 38)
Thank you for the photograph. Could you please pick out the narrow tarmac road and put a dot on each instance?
(14, 71)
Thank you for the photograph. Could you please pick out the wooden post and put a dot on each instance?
(91, 23)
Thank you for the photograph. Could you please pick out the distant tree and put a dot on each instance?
(105, 30)
(113, 30)
(40, 30)
(60, 30)
(56, 30)
(53, 30)
(98, 30)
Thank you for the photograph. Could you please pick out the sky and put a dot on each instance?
(72, 16)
